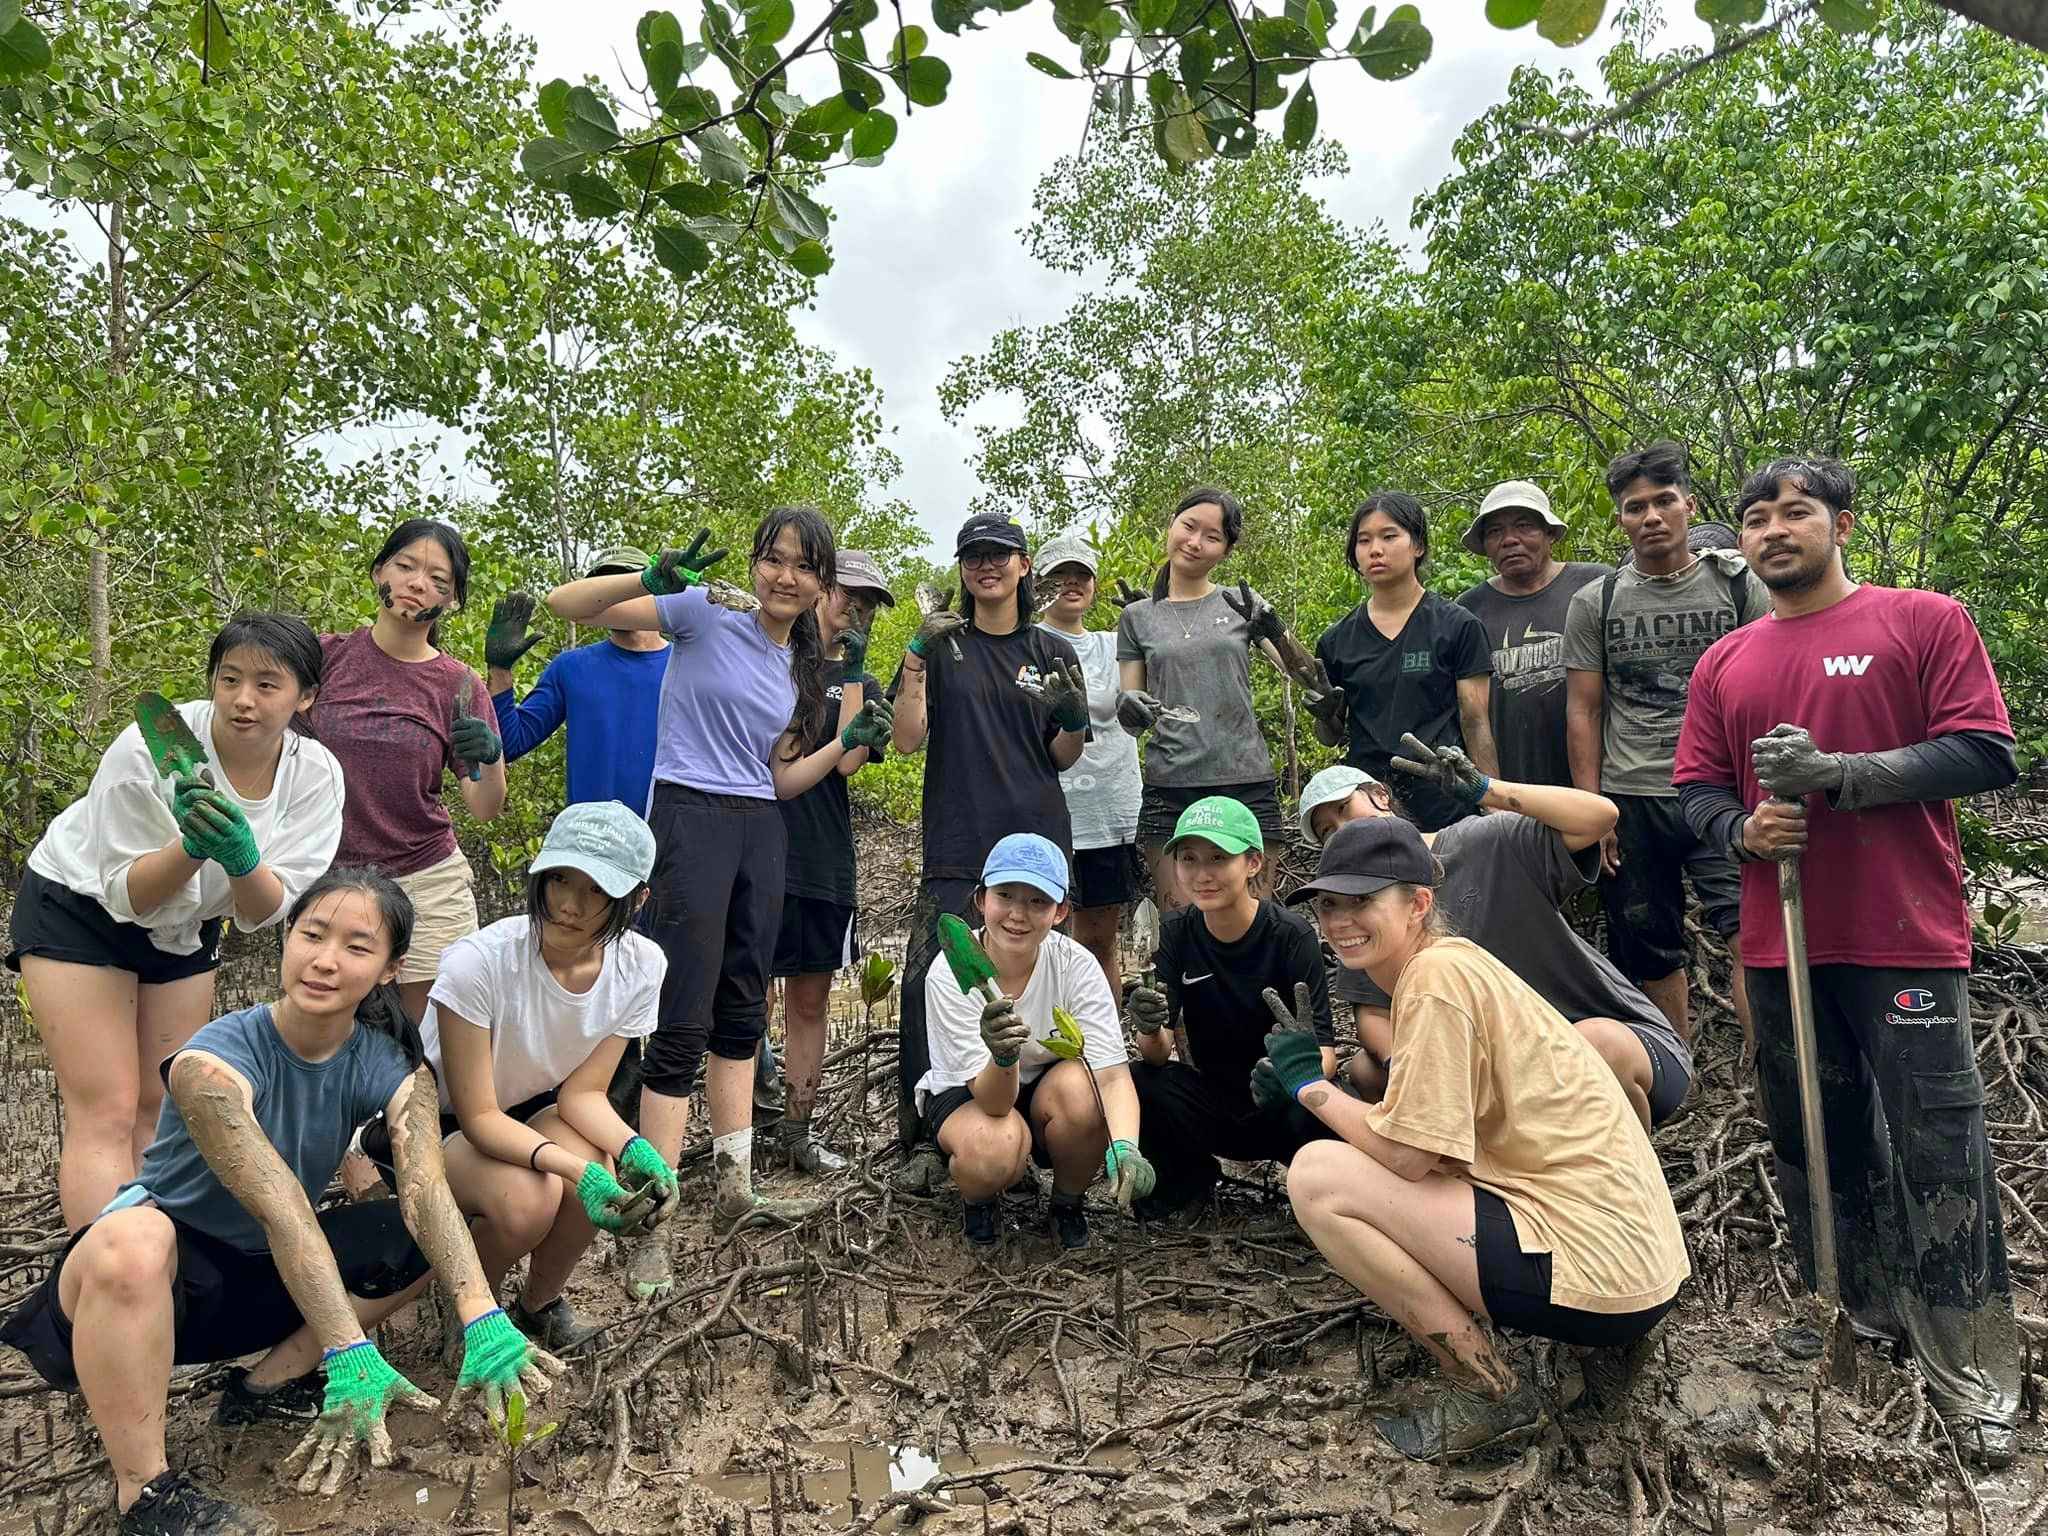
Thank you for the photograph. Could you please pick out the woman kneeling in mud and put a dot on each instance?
(1502, 1179)
(214, 1250)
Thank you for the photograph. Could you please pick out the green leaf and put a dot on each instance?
(952, 16)
(873, 134)
(1186, 143)
(909, 44)
(23, 51)
(1852, 16)
(859, 86)
(1510, 14)
(550, 163)
(829, 118)
(591, 125)
(1046, 66)
(798, 213)
(10, 13)
(689, 105)
(554, 107)
(926, 80)
(515, 1418)
(1155, 15)
(694, 199)
(720, 157)
(1197, 59)
(1729, 13)
(660, 37)
(211, 44)
(1403, 44)
(811, 259)
(1298, 131)
(593, 197)
(679, 251)
(768, 21)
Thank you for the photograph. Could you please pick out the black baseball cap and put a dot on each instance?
(1369, 855)
(989, 528)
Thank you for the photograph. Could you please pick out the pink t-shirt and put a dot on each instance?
(1882, 668)
(390, 724)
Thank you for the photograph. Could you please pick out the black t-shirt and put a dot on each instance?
(1526, 636)
(1409, 683)
(988, 768)
(820, 820)
(1217, 988)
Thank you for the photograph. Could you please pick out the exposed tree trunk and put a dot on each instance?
(99, 622)
(2024, 21)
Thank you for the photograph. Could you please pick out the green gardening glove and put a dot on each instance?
(1268, 1092)
(675, 569)
(497, 1360)
(509, 637)
(1292, 1048)
(474, 742)
(361, 1387)
(853, 655)
(605, 1200)
(215, 828)
(644, 1169)
(1130, 1176)
(870, 728)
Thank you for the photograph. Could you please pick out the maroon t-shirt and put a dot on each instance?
(1882, 668)
(390, 724)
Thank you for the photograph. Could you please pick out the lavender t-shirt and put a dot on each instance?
(726, 698)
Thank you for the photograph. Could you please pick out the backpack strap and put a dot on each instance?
(1607, 586)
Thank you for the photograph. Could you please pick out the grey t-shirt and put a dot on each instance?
(307, 1109)
(1102, 788)
(1505, 877)
(1525, 633)
(1655, 633)
(1197, 653)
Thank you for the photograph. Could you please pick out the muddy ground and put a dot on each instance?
(1208, 1378)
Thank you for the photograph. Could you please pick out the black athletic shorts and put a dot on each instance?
(940, 1106)
(1162, 804)
(1669, 1080)
(1516, 1288)
(57, 923)
(816, 938)
(1106, 877)
(1645, 902)
(227, 1303)
(376, 1138)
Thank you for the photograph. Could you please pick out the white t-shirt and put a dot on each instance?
(1104, 786)
(126, 813)
(1066, 976)
(496, 979)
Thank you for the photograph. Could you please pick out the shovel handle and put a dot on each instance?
(1799, 990)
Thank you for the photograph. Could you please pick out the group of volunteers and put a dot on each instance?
(1481, 1161)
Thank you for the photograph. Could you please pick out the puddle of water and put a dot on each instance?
(876, 1471)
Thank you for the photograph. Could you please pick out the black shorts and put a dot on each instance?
(816, 937)
(1163, 803)
(940, 1106)
(714, 904)
(1645, 902)
(227, 1303)
(1106, 877)
(54, 922)
(1516, 1288)
(1669, 1080)
(376, 1138)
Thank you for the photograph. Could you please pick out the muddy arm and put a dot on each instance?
(425, 1200)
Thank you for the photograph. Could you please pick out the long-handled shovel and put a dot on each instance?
(1827, 1278)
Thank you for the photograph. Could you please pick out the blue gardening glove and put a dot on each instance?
(497, 1360)
(1448, 768)
(1130, 1175)
(215, 828)
(1296, 1057)
(361, 1387)
(870, 728)
(675, 569)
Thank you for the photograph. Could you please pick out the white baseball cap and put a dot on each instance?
(1333, 786)
(1068, 548)
(1523, 495)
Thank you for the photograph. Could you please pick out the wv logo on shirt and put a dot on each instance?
(1845, 666)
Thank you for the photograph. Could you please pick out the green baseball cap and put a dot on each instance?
(1218, 819)
(620, 558)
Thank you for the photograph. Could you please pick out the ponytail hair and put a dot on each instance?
(380, 1011)
(1233, 524)
(806, 642)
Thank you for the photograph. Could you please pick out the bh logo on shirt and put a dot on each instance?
(1413, 662)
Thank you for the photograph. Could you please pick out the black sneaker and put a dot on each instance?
(1462, 1421)
(171, 1506)
(555, 1327)
(979, 1220)
(1069, 1222)
(297, 1401)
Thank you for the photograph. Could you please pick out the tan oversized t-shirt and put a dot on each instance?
(1486, 1072)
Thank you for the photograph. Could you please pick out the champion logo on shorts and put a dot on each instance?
(1913, 1000)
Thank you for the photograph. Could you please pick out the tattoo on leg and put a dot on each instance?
(1470, 1240)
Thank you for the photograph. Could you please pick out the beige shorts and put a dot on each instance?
(444, 910)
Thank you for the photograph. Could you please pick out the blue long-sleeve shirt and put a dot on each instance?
(610, 699)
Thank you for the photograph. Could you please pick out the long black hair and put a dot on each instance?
(1226, 506)
(411, 531)
(285, 638)
(1027, 596)
(380, 1011)
(806, 642)
(1402, 510)
(618, 917)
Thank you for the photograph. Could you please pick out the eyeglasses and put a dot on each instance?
(987, 555)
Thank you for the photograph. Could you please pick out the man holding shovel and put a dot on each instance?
(1835, 732)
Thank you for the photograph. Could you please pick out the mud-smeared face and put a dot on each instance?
(417, 583)
(255, 696)
(1791, 539)
(1018, 917)
(335, 953)
(1655, 518)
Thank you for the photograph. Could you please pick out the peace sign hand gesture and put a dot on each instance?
(1257, 613)
(1293, 1055)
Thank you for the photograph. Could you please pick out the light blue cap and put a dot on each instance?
(606, 841)
(1025, 858)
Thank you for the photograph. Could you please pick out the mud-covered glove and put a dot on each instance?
(1137, 711)
(213, 827)
(509, 635)
(1789, 765)
(939, 624)
(1147, 1010)
(473, 741)
(1258, 615)
(870, 728)
(1126, 594)
(675, 569)
(607, 1202)
(1003, 1032)
(1448, 768)
(642, 1167)
(497, 1359)
(1268, 1092)
(1130, 1175)
(1291, 1047)
(853, 655)
(361, 1387)
(1066, 691)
